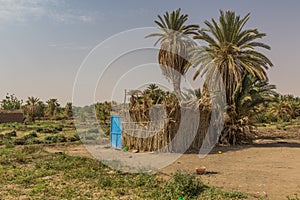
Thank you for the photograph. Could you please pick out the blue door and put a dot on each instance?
(116, 131)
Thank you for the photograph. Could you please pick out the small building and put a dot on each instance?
(9, 116)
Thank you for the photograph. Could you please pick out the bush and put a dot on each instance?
(10, 134)
(22, 128)
(32, 149)
(19, 141)
(181, 186)
(33, 141)
(30, 136)
(55, 139)
(293, 198)
(281, 127)
(267, 117)
(91, 137)
(93, 130)
(285, 117)
(48, 130)
(74, 138)
(58, 128)
(9, 144)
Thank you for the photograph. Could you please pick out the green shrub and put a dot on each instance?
(58, 128)
(74, 138)
(266, 117)
(49, 130)
(39, 130)
(8, 144)
(10, 134)
(32, 149)
(23, 127)
(30, 136)
(93, 130)
(55, 139)
(181, 186)
(295, 197)
(281, 127)
(33, 141)
(91, 137)
(19, 141)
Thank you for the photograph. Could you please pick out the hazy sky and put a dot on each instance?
(44, 42)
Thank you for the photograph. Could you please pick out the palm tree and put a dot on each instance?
(191, 94)
(152, 88)
(103, 115)
(231, 52)
(250, 93)
(41, 107)
(286, 107)
(174, 46)
(103, 111)
(68, 110)
(31, 107)
(52, 107)
(155, 93)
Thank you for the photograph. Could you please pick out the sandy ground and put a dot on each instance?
(263, 170)
(269, 168)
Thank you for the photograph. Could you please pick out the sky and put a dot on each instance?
(56, 48)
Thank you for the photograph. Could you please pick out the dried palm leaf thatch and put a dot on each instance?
(172, 126)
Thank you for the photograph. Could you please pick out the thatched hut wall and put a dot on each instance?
(11, 116)
(167, 128)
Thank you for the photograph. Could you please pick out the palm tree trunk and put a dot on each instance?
(176, 85)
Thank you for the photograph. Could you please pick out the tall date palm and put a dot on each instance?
(231, 51)
(174, 46)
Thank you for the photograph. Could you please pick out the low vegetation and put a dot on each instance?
(32, 172)
(40, 132)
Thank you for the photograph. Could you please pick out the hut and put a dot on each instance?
(176, 128)
(9, 116)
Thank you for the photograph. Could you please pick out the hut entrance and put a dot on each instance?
(116, 131)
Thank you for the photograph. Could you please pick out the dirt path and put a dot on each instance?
(270, 168)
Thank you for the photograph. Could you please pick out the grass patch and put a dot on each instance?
(40, 132)
(36, 174)
(294, 197)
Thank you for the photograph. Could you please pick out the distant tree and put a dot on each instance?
(103, 111)
(286, 108)
(103, 114)
(11, 102)
(154, 93)
(68, 110)
(52, 107)
(41, 109)
(31, 108)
